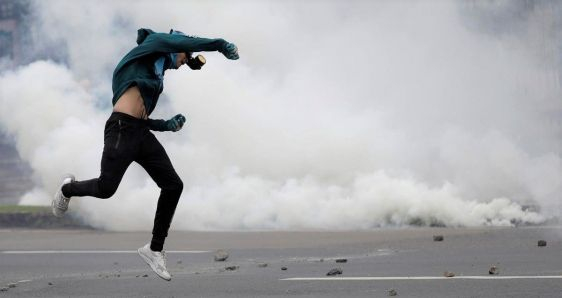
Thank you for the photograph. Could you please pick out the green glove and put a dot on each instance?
(231, 51)
(176, 123)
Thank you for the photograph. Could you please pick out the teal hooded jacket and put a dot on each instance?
(137, 68)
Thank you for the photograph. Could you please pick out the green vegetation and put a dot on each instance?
(24, 209)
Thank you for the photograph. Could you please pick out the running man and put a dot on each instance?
(137, 84)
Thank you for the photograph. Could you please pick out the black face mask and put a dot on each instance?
(196, 63)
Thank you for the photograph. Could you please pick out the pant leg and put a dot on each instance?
(155, 161)
(118, 154)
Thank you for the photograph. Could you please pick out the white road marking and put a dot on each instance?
(95, 251)
(422, 278)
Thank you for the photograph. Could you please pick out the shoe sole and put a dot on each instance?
(59, 193)
(147, 260)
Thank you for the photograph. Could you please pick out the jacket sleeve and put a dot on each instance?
(168, 43)
(157, 125)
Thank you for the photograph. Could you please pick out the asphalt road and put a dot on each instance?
(87, 263)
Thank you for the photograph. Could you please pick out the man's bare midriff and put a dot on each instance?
(131, 103)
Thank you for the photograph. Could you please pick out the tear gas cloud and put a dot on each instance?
(339, 115)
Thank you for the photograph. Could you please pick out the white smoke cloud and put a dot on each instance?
(339, 115)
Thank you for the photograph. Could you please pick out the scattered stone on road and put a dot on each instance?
(493, 270)
(283, 268)
(341, 260)
(12, 285)
(437, 237)
(50, 283)
(334, 271)
(179, 262)
(115, 263)
(541, 243)
(231, 268)
(392, 292)
(146, 275)
(221, 255)
(448, 274)
(262, 265)
(3, 289)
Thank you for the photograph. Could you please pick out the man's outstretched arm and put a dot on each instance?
(174, 43)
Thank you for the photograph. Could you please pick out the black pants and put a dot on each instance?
(128, 139)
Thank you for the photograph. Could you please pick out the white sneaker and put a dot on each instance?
(60, 202)
(156, 260)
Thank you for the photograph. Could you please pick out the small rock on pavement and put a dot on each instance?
(541, 243)
(334, 271)
(283, 268)
(392, 292)
(493, 270)
(262, 265)
(221, 255)
(179, 262)
(50, 283)
(3, 289)
(146, 275)
(437, 237)
(448, 274)
(231, 268)
(12, 285)
(341, 260)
